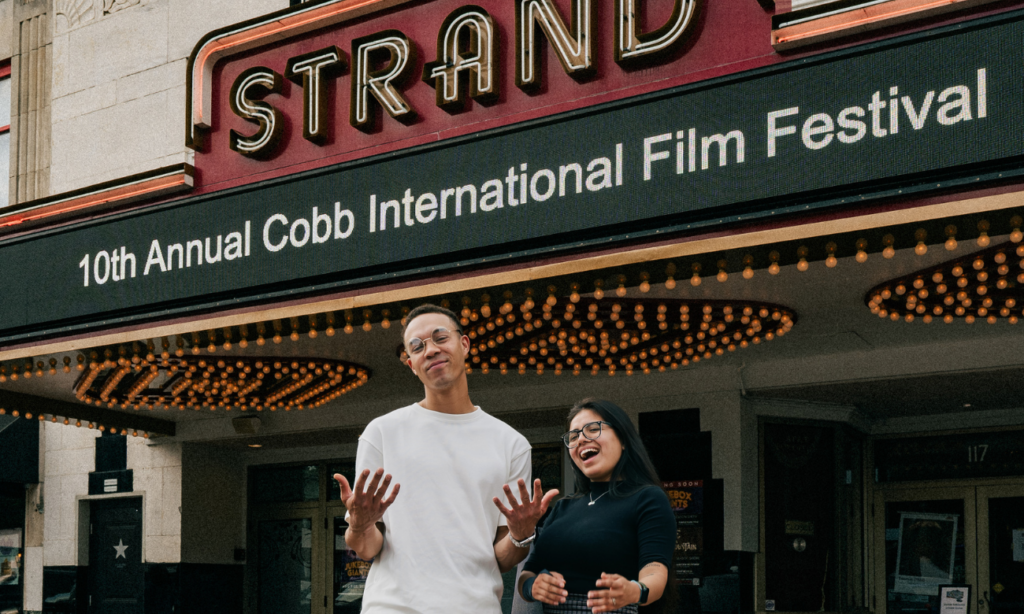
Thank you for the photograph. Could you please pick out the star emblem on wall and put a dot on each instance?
(120, 547)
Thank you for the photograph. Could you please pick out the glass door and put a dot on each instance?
(1001, 549)
(285, 548)
(924, 538)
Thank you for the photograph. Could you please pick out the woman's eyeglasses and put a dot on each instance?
(440, 336)
(590, 430)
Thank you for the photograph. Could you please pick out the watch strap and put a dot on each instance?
(644, 591)
(522, 544)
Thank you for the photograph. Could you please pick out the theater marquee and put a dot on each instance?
(942, 107)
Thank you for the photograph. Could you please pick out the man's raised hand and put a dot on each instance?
(366, 503)
(522, 517)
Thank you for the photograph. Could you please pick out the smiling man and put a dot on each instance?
(442, 545)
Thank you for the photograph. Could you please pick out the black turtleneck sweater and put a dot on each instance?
(616, 536)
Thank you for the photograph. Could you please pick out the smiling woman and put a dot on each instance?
(598, 554)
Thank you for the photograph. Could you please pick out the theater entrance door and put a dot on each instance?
(961, 535)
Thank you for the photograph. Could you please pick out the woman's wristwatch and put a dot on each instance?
(644, 591)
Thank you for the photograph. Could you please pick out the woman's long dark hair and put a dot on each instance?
(634, 469)
(633, 472)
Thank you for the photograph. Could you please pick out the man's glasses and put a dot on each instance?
(590, 430)
(440, 336)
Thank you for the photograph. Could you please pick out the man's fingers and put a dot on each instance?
(360, 486)
(504, 510)
(387, 502)
(371, 488)
(383, 489)
(549, 496)
(538, 490)
(342, 481)
(513, 503)
(524, 495)
(560, 577)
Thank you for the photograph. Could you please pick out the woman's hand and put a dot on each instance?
(619, 592)
(549, 588)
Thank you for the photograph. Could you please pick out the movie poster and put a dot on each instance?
(924, 560)
(687, 500)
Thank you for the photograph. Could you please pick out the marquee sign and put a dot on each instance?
(894, 114)
(334, 80)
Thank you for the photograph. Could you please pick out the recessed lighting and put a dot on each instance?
(967, 404)
(255, 445)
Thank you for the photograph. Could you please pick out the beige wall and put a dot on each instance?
(69, 458)
(6, 29)
(119, 82)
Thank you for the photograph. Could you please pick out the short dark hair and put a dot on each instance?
(426, 308)
(634, 469)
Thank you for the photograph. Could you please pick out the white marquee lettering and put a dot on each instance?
(257, 81)
(573, 46)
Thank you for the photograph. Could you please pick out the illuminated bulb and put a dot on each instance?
(888, 252)
(861, 257)
(773, 269)
(802, 265)
(1017, 236)
(695, 280)
(620, 291)
(644, 287)
(722, 275)
(367, 326)
(950, 244)
(983, 240)
(921, 249)
(748, 273)
(670, 283)
(831, 261)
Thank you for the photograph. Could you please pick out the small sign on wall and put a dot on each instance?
(954, 599)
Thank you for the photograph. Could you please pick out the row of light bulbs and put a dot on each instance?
(68, 421)
(986, 285)
(244, 383)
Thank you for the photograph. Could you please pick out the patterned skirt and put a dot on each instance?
(576, 603)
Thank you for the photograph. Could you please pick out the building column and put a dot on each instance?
(31, 70)
(733, 428)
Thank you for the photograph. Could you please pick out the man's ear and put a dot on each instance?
(409, 363)
(466, 343)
